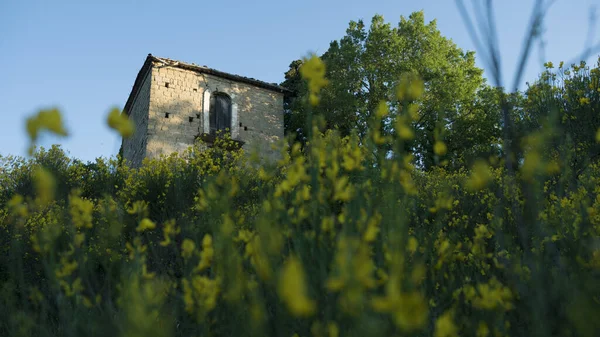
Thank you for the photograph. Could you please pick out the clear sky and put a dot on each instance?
(83, 56)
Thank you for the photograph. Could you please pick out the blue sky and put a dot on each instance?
(83, 56)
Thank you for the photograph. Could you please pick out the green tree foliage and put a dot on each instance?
(364, 68)
(566, 99)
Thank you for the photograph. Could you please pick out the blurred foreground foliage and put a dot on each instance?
(346, 235)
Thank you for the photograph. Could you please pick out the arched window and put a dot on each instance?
(220, 112)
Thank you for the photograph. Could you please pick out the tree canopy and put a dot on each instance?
(364, 68)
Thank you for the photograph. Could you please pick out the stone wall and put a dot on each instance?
(179, 106)
(134, 148)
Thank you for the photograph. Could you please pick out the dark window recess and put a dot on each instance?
(195, 89)
(166, 115)
(191, 119)
(197, 115)
(240, 124)
(166, 84)
(245, 128)
(219, 113)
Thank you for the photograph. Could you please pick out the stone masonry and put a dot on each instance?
(170, 107)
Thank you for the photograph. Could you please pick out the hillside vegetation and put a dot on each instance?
(401, 226)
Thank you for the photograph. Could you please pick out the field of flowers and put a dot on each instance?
(330, 241)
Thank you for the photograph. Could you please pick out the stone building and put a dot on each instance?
(173, 103)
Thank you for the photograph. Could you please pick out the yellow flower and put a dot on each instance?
(480, 176)
(145, 224)
(16, 205)
(292, 289)
(490, 296)
(67, 268)
(413, 244)
(207, 254)
(187, 248)
(410, 87)
(409, 310)
(169, 231)
(482, 329)
(313, 70)
(81, 211)
(78, 240)
(138, 207)
(372, 230)
(403, 128)
(532, 163)
(200, 295)
(50, 120)
(333, 329)
(440, 148)
(120, 122)
(44, 185)
(445, 327)
(382, 110)
(342, 189)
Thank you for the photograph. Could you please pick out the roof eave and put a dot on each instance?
(229, 76)
(138, 83)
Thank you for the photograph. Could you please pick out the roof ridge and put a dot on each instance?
(219, 73)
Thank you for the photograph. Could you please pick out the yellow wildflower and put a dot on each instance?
(81, 211)
(480, 176)
(440, 148)
(119, 121)
(333, 329)
(169, 231)
(50, 120)
(413, 244)
(78, 240)
(200, 295)
(292, 289)
(207, 254)
(382, 110)
(372, 230)
(187, 248)
(445, 327)
(342, 189)
(44, 184)
(410, 87)
(145, 224)
(313, 70)
(403, 128)
(409, 310)
(17, 206)
(66, 268)
(138, 207)
(530, 166)
(483, 330)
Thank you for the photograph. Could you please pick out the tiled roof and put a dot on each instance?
(200, 69)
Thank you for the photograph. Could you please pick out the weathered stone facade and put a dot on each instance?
(170, 107)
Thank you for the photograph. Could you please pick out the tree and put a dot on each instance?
(567, 100)
(365, 67)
